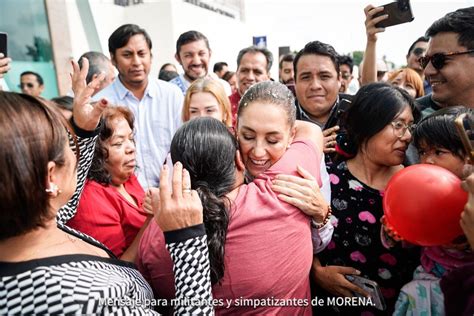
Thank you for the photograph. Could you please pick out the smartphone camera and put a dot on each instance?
(403, 5)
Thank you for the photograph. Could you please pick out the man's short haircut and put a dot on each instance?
(460, 22)
(254, 50)
(37, 75)
(347, 60)
(425, 39)
(167, 75)
(189, 37)
(219, 66)
(289, 58)
(318, 48)
(98, 63)
(122, 35)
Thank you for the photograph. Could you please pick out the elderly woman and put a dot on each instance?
(246, 224)
(379, 125)
(45, 266)
(111, 206)
(206, 97)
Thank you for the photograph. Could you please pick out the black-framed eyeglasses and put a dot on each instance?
(419, 51)
(438, 60)
(400, 128)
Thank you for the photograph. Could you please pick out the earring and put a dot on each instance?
(288, 147)
(53, 188)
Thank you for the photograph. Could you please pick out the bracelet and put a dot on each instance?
(325, 220)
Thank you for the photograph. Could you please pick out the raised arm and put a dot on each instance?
(369, 67)
(85, 122)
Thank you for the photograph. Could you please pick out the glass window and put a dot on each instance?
(29, 43)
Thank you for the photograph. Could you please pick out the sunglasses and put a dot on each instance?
(28, 84)
(418, 51)
(438, 60)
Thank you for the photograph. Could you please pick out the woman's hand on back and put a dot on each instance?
(180, 207)
(302, 192)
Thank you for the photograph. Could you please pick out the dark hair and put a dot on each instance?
(189, 37)
(167, 75)
(219, 66)
(122, 35)
(37, 75)
(65, 102)
(460, 22)
(289, 58)
(271, 92)
(98, 63)
(228, 75)
(97, 171)
(318, 48)
(439, 130)
(346, 60)
(419, 39)
(374, 106)
(32, 133)
(254, 50)
(207, 150)
(166, 65)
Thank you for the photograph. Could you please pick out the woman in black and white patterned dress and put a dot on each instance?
(46, 267)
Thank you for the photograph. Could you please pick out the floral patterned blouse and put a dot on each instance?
(356, 242)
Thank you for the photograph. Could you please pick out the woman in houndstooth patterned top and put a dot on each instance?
(46, 267)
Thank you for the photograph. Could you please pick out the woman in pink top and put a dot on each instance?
(260, 247)
(111, 205)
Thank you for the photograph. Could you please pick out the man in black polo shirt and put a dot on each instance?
(317, 84)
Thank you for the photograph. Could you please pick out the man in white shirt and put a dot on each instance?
(156, 104)
(193, 54)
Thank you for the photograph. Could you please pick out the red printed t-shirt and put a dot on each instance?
(268, 249)
(106, 215)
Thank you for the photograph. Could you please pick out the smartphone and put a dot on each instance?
(3, 44)
(398, 12)
(464, 126)
(370, 287)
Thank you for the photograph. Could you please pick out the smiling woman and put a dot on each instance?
(110, 208)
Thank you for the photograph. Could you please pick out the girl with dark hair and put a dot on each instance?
(247, 224)
(379, 124)
(438, 143)
(47, 267)
(111, 206)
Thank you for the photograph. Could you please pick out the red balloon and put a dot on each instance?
(423, 204)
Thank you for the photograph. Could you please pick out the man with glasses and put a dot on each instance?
(346, 66)
(449, 61)
(418, 49)
(31, 83)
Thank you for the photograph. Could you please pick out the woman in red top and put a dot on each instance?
(111, 205)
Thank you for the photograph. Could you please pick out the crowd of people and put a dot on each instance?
(229, 192)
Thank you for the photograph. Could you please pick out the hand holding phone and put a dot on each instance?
(370, 287)
(3, 44)
(398, 12)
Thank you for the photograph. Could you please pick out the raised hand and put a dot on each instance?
(86, 115)
(329, 141)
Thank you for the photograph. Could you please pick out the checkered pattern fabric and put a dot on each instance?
(86, 150)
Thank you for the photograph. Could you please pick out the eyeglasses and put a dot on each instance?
(418, 51)
(438, 60)
(400, 128)
(28, 84)
(345, 75)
